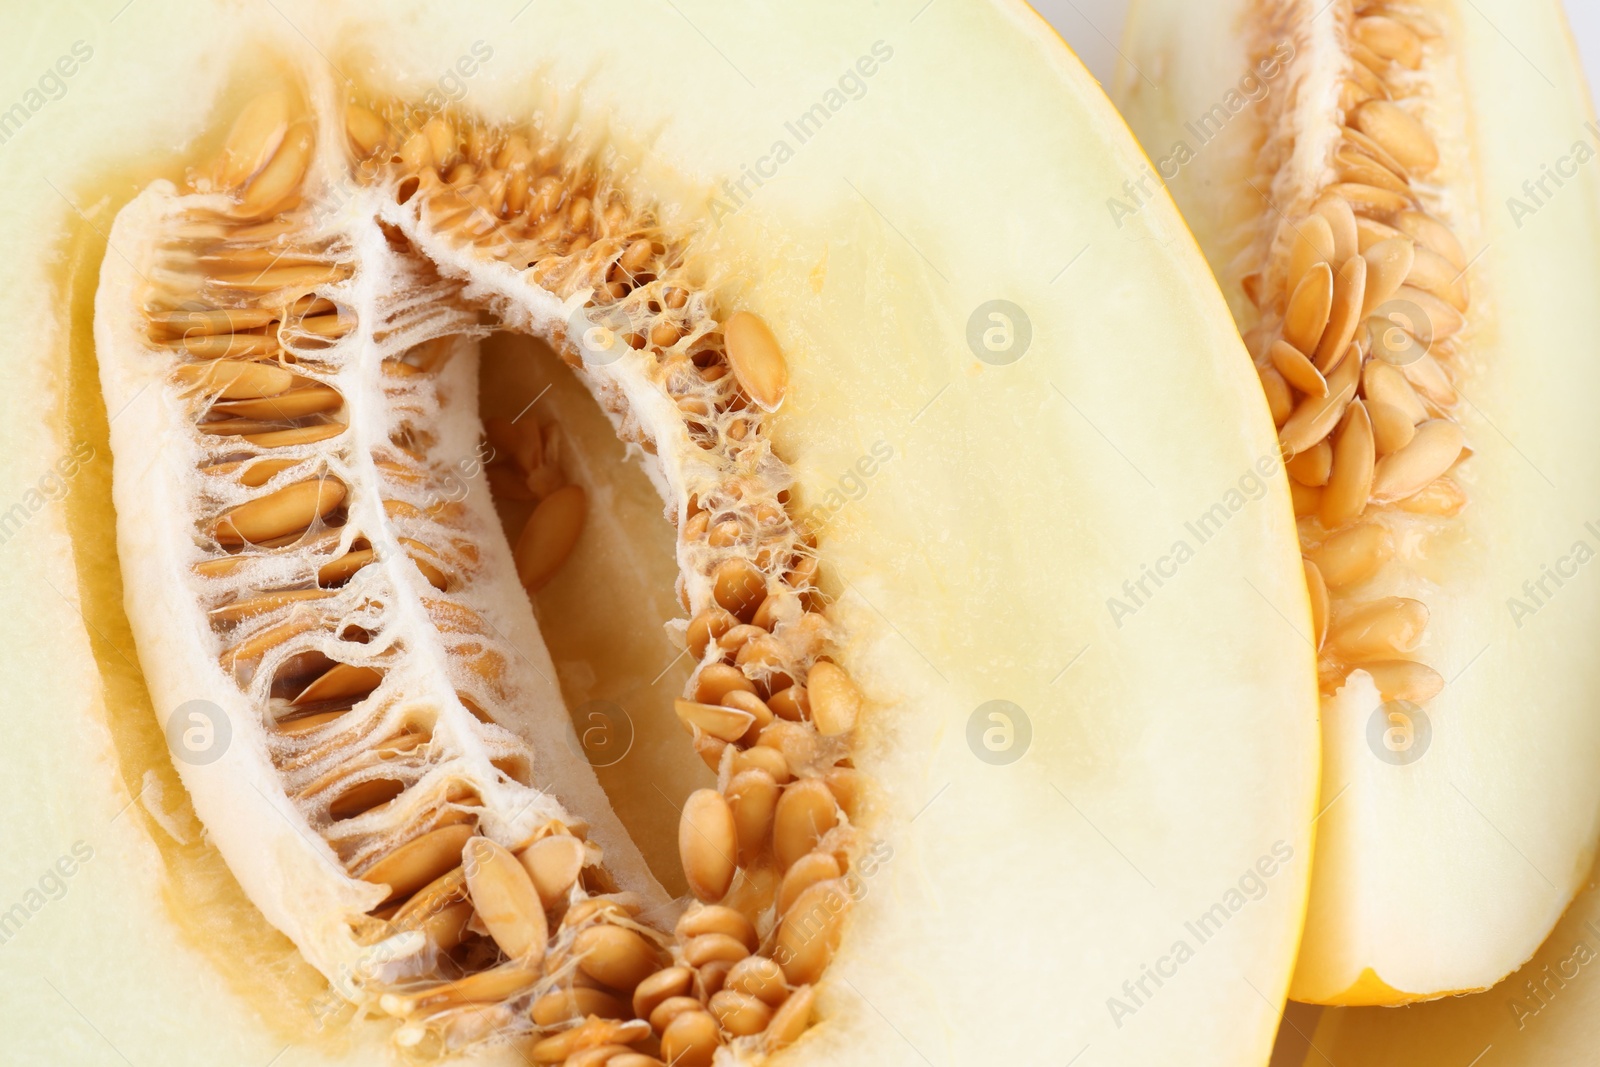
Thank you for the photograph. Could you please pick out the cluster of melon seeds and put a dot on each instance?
(1362, 291)
(311, 310)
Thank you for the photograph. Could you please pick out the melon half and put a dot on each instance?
(1397, 200)
(354, 722)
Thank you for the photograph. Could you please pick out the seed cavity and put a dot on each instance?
(320, 519)
(1362, 296)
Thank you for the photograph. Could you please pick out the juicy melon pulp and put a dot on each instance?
(1167, 768)
(1459, 798)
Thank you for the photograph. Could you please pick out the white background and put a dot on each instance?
(1094, 30)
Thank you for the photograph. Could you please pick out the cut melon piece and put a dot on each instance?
(1409, 153)
(1028, 752)
(1543, 1015)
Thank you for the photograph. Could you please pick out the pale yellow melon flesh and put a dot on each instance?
(1031, 912)
(1542, 1015)
(1444, 873)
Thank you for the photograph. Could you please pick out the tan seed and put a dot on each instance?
(1370, 231)
(702, 919)
(236, 379)
(1342, 224)
(1355, 166)
(1392, 429)
(1354, 456)
(809, 932)
(1317, 416)
(300, 435)
(1371, 200)
(690, 1040)
(1374, 151)
(1400, 135)
(341, 681)
(287, 511)
(505, 899)
(1403, 679)
(1444, 498)
(1280, 401)
(1313, 243)
(717, 680)
(1379, 629)
(740, 1014)
(756, 359)
(281, 175)
(550, 536)
(1349, 293)
(1384, 385)
(365, 128)
(1438, 321)
(753, 798)
(263, 471)
(1354, 554)
(759, 977)
(560, 1005)
(739, 587)
(249, 606)
(1388, 263)
(1428, 376)
(1305, 498)
(1371, 85)
(1434, 235)
(805, 812)
(762, 758)
(294, 404)
(806, 872)
(710, 625)
(1390, 39)
(791, 1020)
(726, 724)
(713, 948)
(752, 705)
(1433, 451)
(1309, 306)
(1312, 467)
(1319, 603)
(1296, 369)
(363, 797)
(708, 844)
(615, 956)
(662, 1015)
(554, 863)
(835, 700)
(660, 987)
(255, 136)
(1432, 273)
(419, 861)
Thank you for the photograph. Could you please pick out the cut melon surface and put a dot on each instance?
(1542, 1015)
(1459, 792)
(1083, 800)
